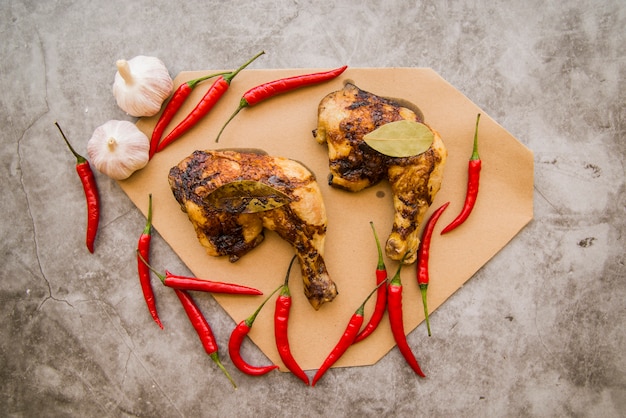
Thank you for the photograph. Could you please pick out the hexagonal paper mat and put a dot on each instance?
(283, 126)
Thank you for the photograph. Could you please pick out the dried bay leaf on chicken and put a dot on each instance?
(403, 138)
(246, 196)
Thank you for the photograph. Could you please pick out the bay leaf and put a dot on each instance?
(403, 138)
(246, 196)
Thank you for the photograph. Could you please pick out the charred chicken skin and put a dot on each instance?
(301, 222)
(344, 118)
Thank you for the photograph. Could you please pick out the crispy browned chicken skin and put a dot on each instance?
(344, 117)
(301, 222)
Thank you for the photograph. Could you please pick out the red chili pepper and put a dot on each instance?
(347, 339)
(281, 320)
(473, 179)
(215, 92)
(236, 339)
(201, 285)
(394, 298)
(381, 297)
(91, 193)
(143, 253)
(173, 106)
(422, 258)
(202, 327)
(265, 91)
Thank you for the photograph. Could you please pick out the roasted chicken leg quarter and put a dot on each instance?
(344, 118)
(301, 222)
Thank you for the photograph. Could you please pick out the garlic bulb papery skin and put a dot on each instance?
(118, 148)
(141, 85)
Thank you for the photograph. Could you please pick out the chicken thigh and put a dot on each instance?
(344, 118)
(301, 221)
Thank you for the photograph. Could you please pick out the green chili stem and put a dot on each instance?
(228, 77)
(285, 286)
(79, 158)
(475, 155)
(252, 317)
(192, 83)
(215, 357)
(148, 226)
(381, 263)
(423, 288)
(159, 275)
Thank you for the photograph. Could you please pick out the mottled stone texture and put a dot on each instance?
(538, 332)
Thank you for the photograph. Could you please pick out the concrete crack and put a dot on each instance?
(20, 159)
(126, 339)
(547, 200)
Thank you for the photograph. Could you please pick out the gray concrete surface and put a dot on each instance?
(538, 332)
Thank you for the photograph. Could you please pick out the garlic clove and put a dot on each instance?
(118, 149)
(141, 85)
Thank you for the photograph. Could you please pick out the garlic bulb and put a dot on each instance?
(141, 85)
(118, 148)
